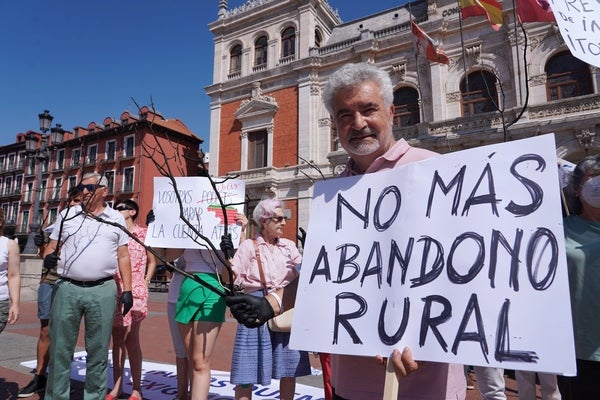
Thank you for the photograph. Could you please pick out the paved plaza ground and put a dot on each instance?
(18, 344)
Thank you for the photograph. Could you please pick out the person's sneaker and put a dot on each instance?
(37, 384)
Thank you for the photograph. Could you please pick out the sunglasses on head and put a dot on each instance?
(123, 208)
(90, 187)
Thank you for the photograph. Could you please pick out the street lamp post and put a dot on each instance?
(41, 154)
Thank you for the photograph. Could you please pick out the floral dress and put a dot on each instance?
(139, 257)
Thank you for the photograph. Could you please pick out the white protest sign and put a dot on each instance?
(461, 257)
(579, 23)
(200, 206)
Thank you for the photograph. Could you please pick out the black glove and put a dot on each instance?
(301, 236)
(250, 311)
(126, 301)
(150, 218)
(227, 246)
(38, 239)
(51, 261)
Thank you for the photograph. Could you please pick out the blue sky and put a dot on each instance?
(85, 60)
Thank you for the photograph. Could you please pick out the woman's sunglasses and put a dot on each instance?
(123, 208)
(90, 187)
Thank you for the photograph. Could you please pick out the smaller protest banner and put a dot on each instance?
(194, 199)
(579, 24)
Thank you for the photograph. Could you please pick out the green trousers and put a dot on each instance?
(70, 303)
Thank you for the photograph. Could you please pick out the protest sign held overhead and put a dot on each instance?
(579, 24)
(198, 202)
(461, 257)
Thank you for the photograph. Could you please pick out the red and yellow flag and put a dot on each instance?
(491, 9)
(432, 52)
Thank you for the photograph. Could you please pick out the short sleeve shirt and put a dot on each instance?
(88, 246)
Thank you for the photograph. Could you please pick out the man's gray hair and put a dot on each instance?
(100, 179)
(351, 75)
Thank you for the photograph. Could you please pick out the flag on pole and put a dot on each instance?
(432, 53)
(535, 11)
(491, 9)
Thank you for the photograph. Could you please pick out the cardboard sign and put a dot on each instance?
(460, 257)
(197, 201)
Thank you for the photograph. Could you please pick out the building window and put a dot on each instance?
(406, 107)
(110, 177)
(21, 158)
(2, 164)
(57, 189)
(128, 146)
(43, 187)
(28, 192)
(18, 184)
(72, 182)
(235, 59)
(76, 157)
(128, 180)
(92, 154)
(111, 149)
(25, 222)
(11, 162)
(7, 186)
(60, 159)
(52, 215)
(31, 166)
(14, 213)
(567, 76)
(257, 149)
(481, 96)
(318, 38)
(260, 51)
(288, 42)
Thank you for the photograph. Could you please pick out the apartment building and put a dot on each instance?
(129, 151)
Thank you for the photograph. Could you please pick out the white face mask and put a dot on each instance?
(590, 192)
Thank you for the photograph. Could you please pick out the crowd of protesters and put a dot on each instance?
(95, 270)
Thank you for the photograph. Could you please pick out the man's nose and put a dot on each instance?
(359, 121)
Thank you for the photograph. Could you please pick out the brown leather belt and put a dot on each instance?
(86, 283)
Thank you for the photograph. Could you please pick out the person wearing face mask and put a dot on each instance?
(582, 240)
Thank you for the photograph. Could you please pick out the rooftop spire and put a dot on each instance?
(222, 8)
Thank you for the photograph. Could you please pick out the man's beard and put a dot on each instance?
(368, 144)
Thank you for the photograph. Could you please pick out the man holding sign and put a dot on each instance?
(359, 98)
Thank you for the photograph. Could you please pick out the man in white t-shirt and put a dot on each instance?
(87, 246)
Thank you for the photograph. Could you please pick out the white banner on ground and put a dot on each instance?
(461, 257)
(159, 382)
(200, 206)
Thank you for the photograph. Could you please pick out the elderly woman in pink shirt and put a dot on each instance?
(260, 355)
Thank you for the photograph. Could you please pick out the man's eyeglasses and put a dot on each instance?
(123, 208)
(90, 187)
(278, 219)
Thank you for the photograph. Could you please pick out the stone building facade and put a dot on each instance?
(272, 58)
